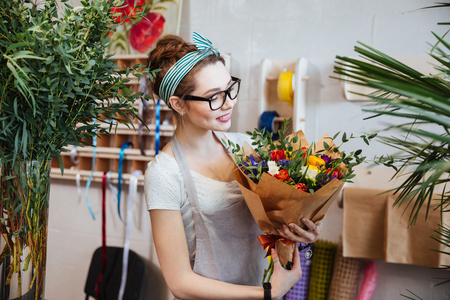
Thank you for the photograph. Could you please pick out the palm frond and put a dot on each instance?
(420, 102)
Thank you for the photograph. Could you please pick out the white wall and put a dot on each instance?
(252, 30)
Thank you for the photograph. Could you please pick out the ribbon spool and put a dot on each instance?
(285, 85)
(267, 120)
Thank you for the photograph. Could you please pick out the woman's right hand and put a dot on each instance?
(283, 280)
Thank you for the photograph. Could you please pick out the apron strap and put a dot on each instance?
(185, 172)
(201, 232)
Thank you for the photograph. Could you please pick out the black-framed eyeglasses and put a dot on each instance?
(217, 100)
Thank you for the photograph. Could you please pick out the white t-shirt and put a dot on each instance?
(165, 189)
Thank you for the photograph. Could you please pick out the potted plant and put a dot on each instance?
(56, 79)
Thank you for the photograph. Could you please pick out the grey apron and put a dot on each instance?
(227, 248)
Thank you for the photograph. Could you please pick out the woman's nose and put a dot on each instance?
(228, 103)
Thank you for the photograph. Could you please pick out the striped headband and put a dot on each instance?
(177, 72)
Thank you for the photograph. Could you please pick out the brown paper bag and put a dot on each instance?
(363, 233)
(374, 229)
(412, 244)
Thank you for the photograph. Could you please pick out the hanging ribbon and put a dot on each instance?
(157, 125)
(88, 184)
(100, 277)
(126, 248)
(119, 180)
(268, 241)
(73, 158)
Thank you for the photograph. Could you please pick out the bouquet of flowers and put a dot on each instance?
(285, 180)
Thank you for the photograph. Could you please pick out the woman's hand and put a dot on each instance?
(297, 234)
(283, 280)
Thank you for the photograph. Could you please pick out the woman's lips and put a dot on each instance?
(224, 118)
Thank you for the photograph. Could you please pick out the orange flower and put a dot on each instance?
(283, 175)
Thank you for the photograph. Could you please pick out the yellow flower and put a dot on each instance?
(315, 161)
(288, 154)
(312, 168)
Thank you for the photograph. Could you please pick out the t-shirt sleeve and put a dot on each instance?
(163, 186)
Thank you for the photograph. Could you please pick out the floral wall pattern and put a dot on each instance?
(142, 23)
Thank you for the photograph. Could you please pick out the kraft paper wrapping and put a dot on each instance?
(274, 203)
(374, 229)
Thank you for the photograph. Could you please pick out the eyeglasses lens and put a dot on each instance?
(218, 100)
(234, 90)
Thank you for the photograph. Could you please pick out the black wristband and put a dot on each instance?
(267, 291)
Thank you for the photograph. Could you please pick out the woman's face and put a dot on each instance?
(210, 79)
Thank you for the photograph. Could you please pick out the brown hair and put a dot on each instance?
(168, 50)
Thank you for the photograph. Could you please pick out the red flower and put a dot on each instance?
(127, 9)
(145, 34)
(283, 175)
(337, 174)
(301, 187)
(306, 151)
(277, 155)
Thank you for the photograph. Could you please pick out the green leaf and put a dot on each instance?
(49, 60)
(26, 54)
(17, 45)
(61, 163)
(24, 139)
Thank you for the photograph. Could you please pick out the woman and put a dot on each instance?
(204, 234)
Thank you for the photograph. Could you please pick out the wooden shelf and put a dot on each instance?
(112, 153)
(71, 174)
(165, 130)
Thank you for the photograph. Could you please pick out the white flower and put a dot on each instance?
(311, 173)
(273, 168)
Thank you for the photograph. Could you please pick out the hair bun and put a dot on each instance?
(168, 50)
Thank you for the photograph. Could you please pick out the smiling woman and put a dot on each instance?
(204, 233)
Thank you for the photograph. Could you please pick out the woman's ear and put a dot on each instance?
(177, 104)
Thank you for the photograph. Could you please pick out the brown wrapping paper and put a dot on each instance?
(274, 203)
(374, 229)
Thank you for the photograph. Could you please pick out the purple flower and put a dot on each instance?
(326, 158)
(253, 160)
(283, 162)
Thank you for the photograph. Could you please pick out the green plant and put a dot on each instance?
(422, 104)
(55, 80)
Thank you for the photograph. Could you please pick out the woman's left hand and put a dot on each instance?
(297, 234)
